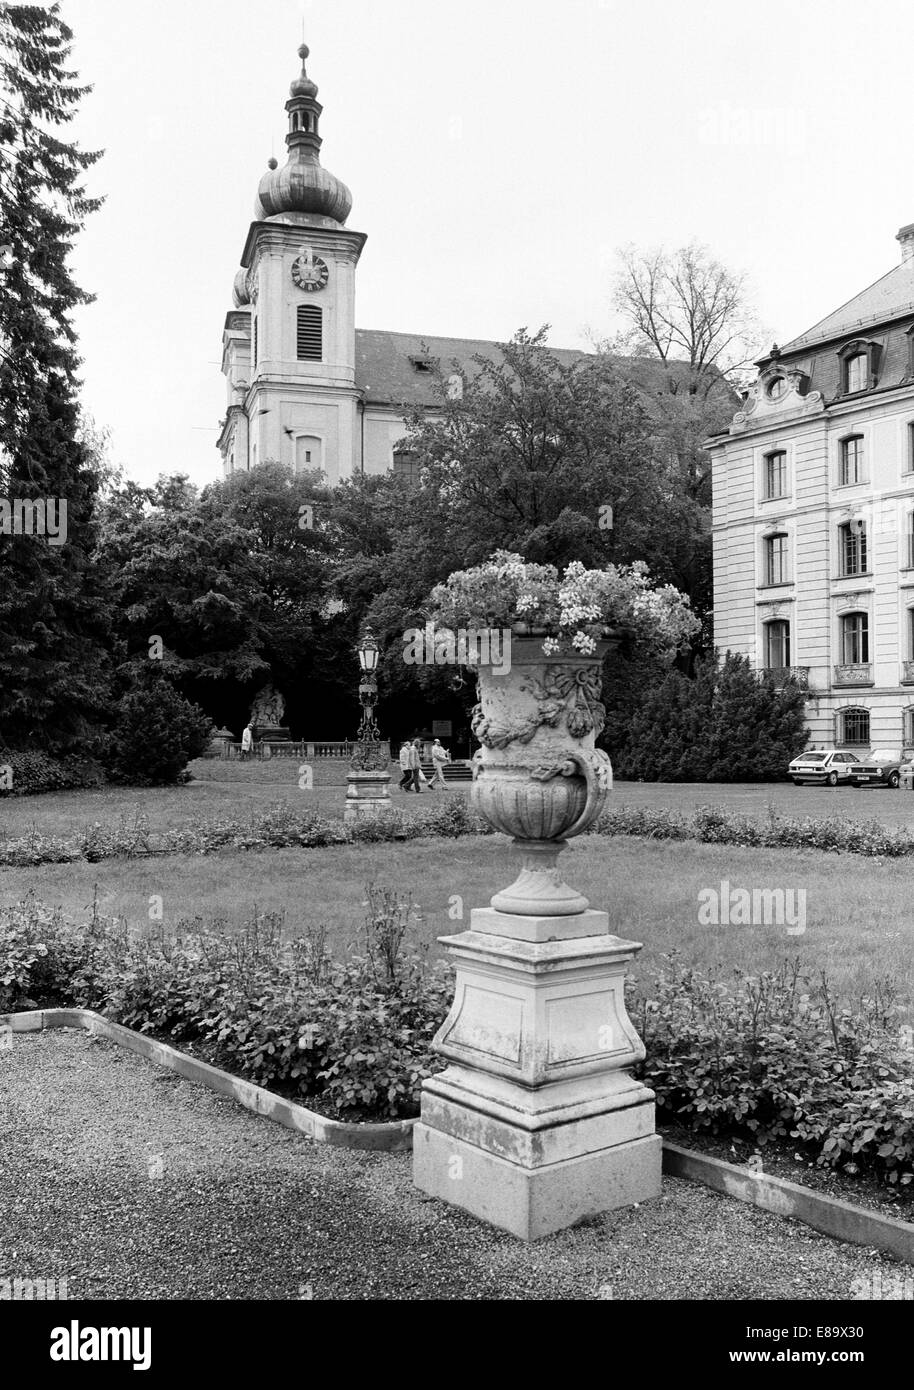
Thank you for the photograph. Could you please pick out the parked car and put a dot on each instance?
(881, 768)
(823, 766)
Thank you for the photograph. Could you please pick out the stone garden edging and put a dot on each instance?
(830, 1215)
(393, 1137)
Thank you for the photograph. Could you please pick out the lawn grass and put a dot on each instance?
(858, 916)
(168, 808)
(239, 790)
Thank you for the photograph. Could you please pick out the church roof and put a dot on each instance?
(389, 370)
(389, 367)
(890, 297)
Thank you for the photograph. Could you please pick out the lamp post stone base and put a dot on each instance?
(367, 794)
(537, 1121)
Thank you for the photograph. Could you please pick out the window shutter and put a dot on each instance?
(309, 333)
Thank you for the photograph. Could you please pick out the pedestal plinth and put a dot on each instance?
(537, 1121)
(367, 794)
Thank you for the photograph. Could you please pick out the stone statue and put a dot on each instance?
(268, 708)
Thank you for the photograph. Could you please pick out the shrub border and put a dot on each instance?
(394, 1136)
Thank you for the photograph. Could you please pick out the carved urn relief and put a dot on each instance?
(538, 776)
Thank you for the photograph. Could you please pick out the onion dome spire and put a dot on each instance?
(302, 185)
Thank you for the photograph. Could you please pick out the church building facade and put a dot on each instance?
(305, 386)
(813, 488)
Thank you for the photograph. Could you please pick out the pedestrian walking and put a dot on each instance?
(440, 756)
(406, 772)
(415, 764)
(247, 742)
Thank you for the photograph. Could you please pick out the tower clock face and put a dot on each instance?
(309, 272)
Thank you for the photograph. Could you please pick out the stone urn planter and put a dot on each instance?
(538, 776)
(537, 1121)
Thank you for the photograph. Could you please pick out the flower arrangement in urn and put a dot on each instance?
(571, 611)
(538, 775)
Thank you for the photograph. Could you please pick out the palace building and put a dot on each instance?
(813, 488)
(305, 386)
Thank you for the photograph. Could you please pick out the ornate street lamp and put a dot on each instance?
(368, 791)
(368, 651)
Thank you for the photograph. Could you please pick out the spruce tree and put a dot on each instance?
(755, 728)
(53, 668)
(725, 724)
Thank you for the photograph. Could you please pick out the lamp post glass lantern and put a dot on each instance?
(368, 755)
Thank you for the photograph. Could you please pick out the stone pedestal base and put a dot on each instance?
(538, 1121)
(534, 1202)
(367, 794)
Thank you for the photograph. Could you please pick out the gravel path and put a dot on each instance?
(132, 1183)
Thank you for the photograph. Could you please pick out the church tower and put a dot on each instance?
(289, 342)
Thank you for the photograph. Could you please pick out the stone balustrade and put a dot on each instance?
(799, 675)
(860, 673)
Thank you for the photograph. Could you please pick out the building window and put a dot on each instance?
(909, 459)
(851, 470)
(776, 567)
(308, 453)
(777, 388)
(855, 639)
(255, 340)
(406, 465)
(856, 372)
(309, 340)
(777, 644)
(776, 474)
(854, 727)
(858, 366)
(852, 548)
(909, 726)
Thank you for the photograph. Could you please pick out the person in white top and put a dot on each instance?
(440, 756)
(406, 780)
(247, 742)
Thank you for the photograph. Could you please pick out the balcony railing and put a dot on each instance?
(907, 673)
(780, 675)
(858, 673)
(292, 748)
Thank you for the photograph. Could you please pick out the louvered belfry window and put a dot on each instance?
(309, 334)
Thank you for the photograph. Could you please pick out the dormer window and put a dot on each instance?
(422, 364)
(856, 369)
(777, 388)
(858, 366)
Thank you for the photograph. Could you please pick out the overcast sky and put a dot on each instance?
(498, 152)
